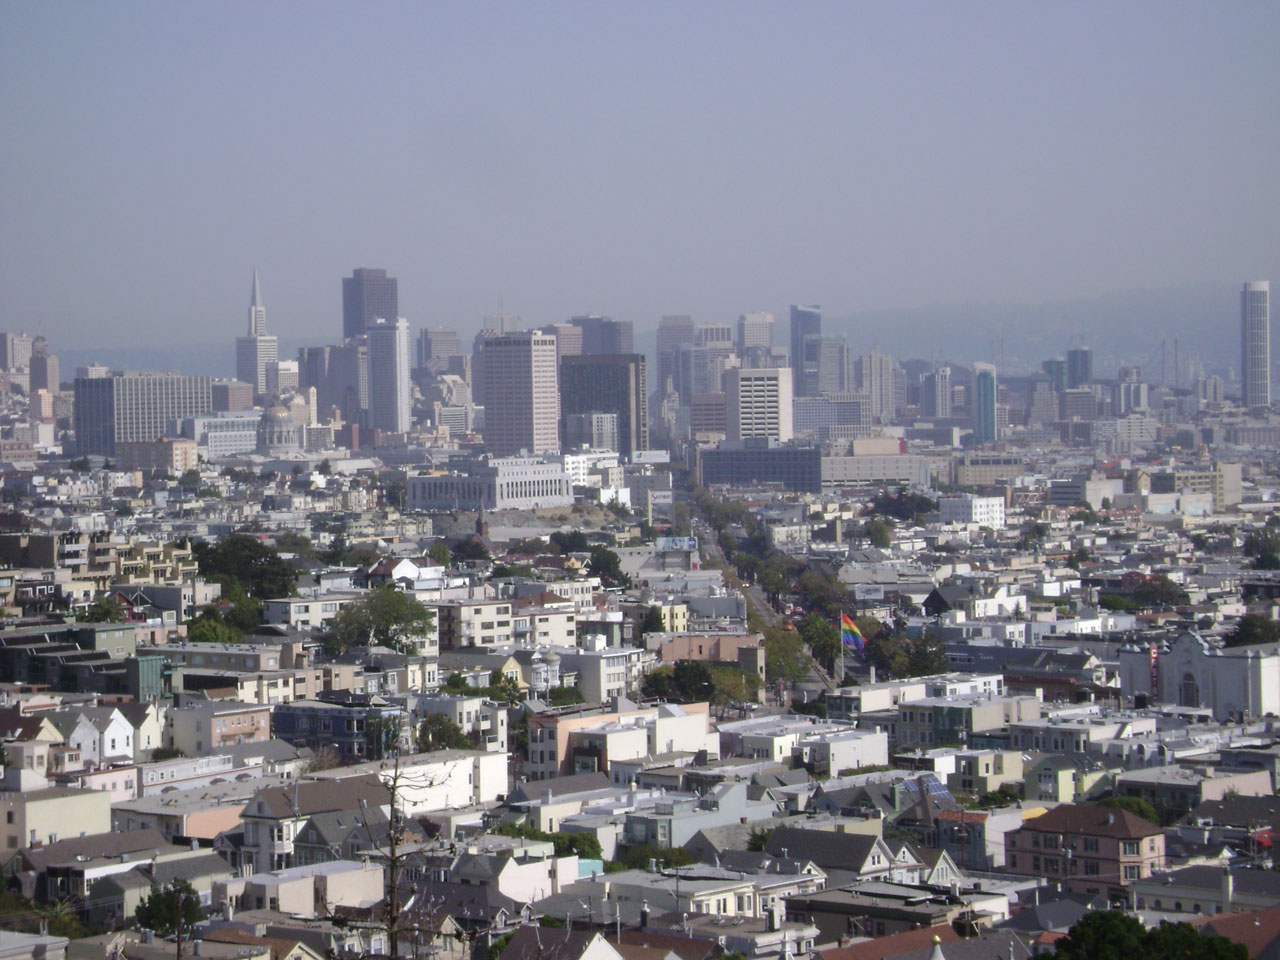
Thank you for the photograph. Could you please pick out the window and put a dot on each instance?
(1091, 868)
(1131, 873)
(1131, 848)
(8, 817)
(1090, 844)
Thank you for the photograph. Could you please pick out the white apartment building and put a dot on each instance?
(984, 511)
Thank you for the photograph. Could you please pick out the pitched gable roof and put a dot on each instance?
(94, 845)
(535, 943)
(1096, 821)
(847, 851)
(309, 797)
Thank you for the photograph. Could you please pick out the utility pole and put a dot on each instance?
(181, 911)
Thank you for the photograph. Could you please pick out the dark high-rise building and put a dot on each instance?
(1079, 367)
(1056, 368)
(805, 322)
(672, 332)
(604, 335)
(616, 384)
(44, 372)
(438, 343)
(367, 295)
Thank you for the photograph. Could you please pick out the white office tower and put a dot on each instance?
(755, 330)
(256, 351)
(522, 394)
(1255, 343)
(389, 407)
(876, 379)
(758, 403)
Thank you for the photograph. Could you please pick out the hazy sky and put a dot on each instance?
(633, 159)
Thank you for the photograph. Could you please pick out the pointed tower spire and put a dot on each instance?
(257, 312)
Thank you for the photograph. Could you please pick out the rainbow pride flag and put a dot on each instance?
(850, 635)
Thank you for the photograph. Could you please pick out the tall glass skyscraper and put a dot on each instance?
(805, 322)
(368, 295)
(985, 429)
(1255, 343)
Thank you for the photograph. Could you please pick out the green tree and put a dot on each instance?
(1104, 935)
(572, 541)
(457, 683)
(385, 617)
(606, 565)
(105, 609)
(1110, 935)
(730, 685)
(1253, 628)
(439, 732)
(758, 838)
(504, 687)
(889, 653)
(161, 910)
(190, 479)
(926, 656)
(439, 554)
(1135, 805)
(1181, 941)
(652, 622)
(688, 681)
(382, 736)
(297, 543)
(877, 531)
(563, 696)
(584, 845)
(472, 548)
(209, 627)
(823, 640)
(785, 656)
(249, 562)
(1159, 591)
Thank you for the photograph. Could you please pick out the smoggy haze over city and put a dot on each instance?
(633, 160)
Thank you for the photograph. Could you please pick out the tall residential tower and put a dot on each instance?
(1255, 343)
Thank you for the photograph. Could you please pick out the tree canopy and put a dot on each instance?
(688, 681)
(439, 732)
(384, 617)
(160, 911)
(1110, 935)
(1253, 628)
(249, 562)
(105, 609)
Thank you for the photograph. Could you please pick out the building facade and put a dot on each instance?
(367, 295)
(609, 383)
(389, 403)
(1255, 343)
(522, 394)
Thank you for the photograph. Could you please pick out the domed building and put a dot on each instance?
(278, 433)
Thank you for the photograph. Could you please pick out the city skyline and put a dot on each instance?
(989, 172)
